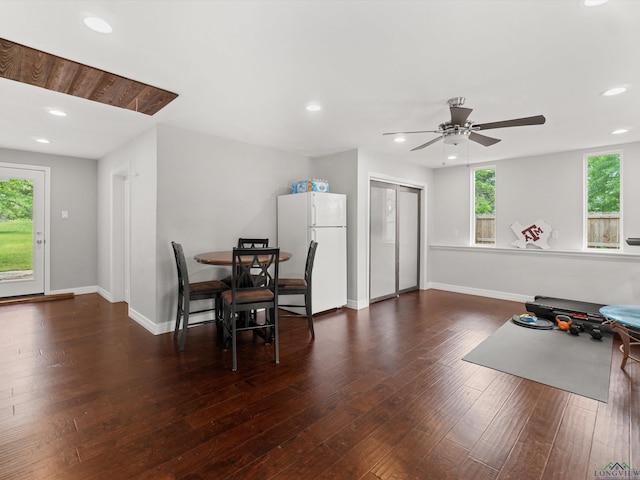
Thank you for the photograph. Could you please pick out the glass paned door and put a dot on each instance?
(22, 236)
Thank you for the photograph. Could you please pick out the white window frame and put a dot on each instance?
(585, 202)
(472, 236)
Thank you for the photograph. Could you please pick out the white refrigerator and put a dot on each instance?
(322, 217)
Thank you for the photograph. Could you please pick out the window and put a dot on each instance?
(484, 205)
(603, 220)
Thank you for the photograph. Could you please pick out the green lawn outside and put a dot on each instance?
(16, 245)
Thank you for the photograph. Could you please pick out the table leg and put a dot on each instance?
(624, 348)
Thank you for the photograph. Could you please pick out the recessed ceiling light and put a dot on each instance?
(42, 140)
(614, 91)
(98, 25)
(57, 113)
(619, 131)
(313, 107)
(399, 139)
(451, 157)
(594, 3)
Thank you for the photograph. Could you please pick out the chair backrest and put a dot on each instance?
(255, 269)
(181, 265)
(308, 268)
(253, 242)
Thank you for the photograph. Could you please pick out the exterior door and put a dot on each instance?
(394, 240)
(22, 230)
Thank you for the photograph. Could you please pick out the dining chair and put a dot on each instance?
(253, 242)
(300, 286)
(250, 292)
(248, 243)
(190, 292)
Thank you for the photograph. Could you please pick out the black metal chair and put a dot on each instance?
(250, 292)
(300, 286)
(248, 243)
(189, 292)
(253, 242)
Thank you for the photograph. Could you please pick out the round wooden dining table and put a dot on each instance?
(225, 257)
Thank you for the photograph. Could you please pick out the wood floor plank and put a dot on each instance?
(528, 457)
(613, 423)
(569, 456)
(496, 442)
(472, 425)
(451, 461)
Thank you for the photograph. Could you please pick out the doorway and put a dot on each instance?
(394, 222)
(120, 274)
(23, 234)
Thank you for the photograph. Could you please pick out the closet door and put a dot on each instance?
(382, 262)
(394, 262)
(408, 238)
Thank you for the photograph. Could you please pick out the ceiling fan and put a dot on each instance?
(459, 128)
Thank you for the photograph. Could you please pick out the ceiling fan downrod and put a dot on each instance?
(456, 102)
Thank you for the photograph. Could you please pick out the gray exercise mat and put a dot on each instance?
(577, 364)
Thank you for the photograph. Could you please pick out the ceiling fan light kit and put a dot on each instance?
(458, 129)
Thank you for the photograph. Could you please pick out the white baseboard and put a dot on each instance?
(154, 328)
(76, 291)
(514, 297)
(105, 294)
(357, 304)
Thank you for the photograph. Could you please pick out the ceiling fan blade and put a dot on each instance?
(406, 133)
(518, 122)
(483, 139)
(430, 142)
(459, 115)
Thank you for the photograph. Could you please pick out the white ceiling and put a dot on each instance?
(246, 69)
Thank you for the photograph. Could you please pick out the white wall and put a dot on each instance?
(138, 157)
(341, 170)
(210, 192)
(549, 187)
(72, 241)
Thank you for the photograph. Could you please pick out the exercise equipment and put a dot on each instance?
(588, 314)
(531, 321)
(564, 322)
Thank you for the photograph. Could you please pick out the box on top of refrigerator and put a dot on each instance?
(312, 185)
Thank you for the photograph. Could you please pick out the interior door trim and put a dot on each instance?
(379, 183)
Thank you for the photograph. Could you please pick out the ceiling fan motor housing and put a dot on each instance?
(456, 136)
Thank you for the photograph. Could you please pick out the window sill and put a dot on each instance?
(610, 255)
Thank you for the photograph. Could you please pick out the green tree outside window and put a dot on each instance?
(485, 205)
(603, 201)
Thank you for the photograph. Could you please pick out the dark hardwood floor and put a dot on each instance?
(382, 393)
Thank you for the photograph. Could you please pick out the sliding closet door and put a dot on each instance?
(382, 271)
(394, 240)
(408, 238)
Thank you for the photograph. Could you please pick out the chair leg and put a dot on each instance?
(178, 316)
(185, 326)
(275, 334)
(234, 356)
(224, 328)
(307, 303)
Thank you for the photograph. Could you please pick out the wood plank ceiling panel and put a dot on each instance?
(35, 67)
